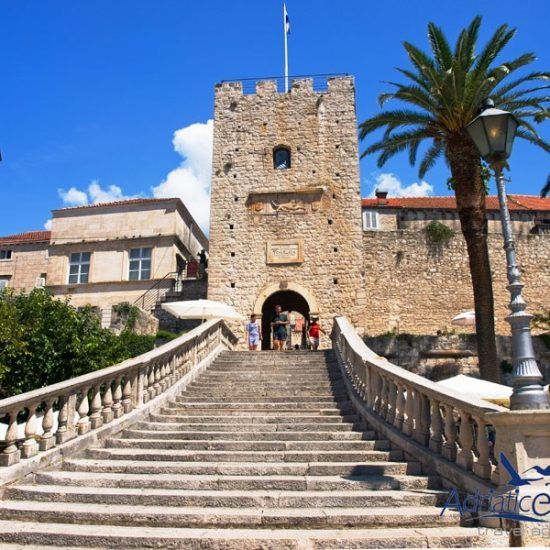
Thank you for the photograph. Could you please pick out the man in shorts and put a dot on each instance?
(279, 325)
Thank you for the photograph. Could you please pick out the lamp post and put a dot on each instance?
(493, 133)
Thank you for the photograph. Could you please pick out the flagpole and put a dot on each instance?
(286, 45)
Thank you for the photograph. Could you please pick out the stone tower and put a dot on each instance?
(285, 209)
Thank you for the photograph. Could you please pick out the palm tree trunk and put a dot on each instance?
(470, 198)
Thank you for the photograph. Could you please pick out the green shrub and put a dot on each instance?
(167, 336)
(439, 232)
(44, 340)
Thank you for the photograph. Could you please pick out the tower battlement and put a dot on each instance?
(318, 84)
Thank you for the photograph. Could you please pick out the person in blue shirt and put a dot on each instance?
(279, 324)
(253, 333)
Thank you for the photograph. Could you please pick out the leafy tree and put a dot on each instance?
(442, 94)
(44, 340)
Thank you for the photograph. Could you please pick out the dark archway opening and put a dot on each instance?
(289, 301)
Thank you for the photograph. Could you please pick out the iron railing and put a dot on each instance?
(320, 81)
(153, 295)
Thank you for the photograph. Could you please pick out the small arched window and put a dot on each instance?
(281, 158)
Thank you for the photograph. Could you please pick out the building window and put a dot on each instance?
(140, 264)
(79, 267)
(5, 254)
(4, 280)
(370, 219)
(281, 158)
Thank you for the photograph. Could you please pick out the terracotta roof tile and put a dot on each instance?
(28, 237)
(119, 203)
(515, 202)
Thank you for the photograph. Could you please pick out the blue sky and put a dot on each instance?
(92, 92)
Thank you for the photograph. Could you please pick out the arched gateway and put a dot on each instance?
(291, 297)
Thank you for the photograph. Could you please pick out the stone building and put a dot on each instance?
(24, 260)
(528, 214)
(133, 251)
(285, 211)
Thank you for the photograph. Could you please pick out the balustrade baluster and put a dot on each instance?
(96, 420)
(384, 398)
(465, 457)
(65, 419)
(107, 411)
(408, 423)
(117, 397)
(11, 454)
(83, 409)
(392, 398)
(151, 385)
(129, 381)
(482, 465)
(30, 445)
(450, 446)
(368, 386)
(436, 427)
(162, 376)
(377, 388)
(399, 407)
(47, 440)
(424, 420)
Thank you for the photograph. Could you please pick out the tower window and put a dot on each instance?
(281, 158)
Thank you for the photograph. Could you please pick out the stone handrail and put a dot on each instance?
(88, 402)
(449, 424)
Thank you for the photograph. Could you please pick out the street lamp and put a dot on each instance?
(493, 133)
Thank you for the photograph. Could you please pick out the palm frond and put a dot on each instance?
(430, 158)
(397, 118)
(440, 47)
(519, 81)
(539, 142)
(546, 189)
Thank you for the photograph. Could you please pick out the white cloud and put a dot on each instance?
(191, 180)
(73, 197)
(392, 184)
(48, 225)
(93, 195)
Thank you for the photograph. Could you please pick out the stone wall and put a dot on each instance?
(296, 229)
(440, 357)
(415, 286)
(28, 261)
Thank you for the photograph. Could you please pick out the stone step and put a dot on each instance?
(186, 516)
(228, 445)
(187, 397)
(172, 415)
(69, 536)
(353, 469)
(243, 483)
(250, 396)
(183, 455)
(253, 408)
(160, 421)
(225, 498)
(253, 385)
(171, 431)
(328, 404)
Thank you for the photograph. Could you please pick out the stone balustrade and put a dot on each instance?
(90, 401)
(454, 427)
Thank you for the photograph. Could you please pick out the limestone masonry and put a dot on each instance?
(285, 211)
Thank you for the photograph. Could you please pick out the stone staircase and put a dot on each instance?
(262, 451)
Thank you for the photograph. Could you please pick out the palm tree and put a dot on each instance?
(442, 93)
(546, 189)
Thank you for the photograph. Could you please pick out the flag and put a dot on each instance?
(287, 21)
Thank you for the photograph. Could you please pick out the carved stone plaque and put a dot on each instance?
(284, 252)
